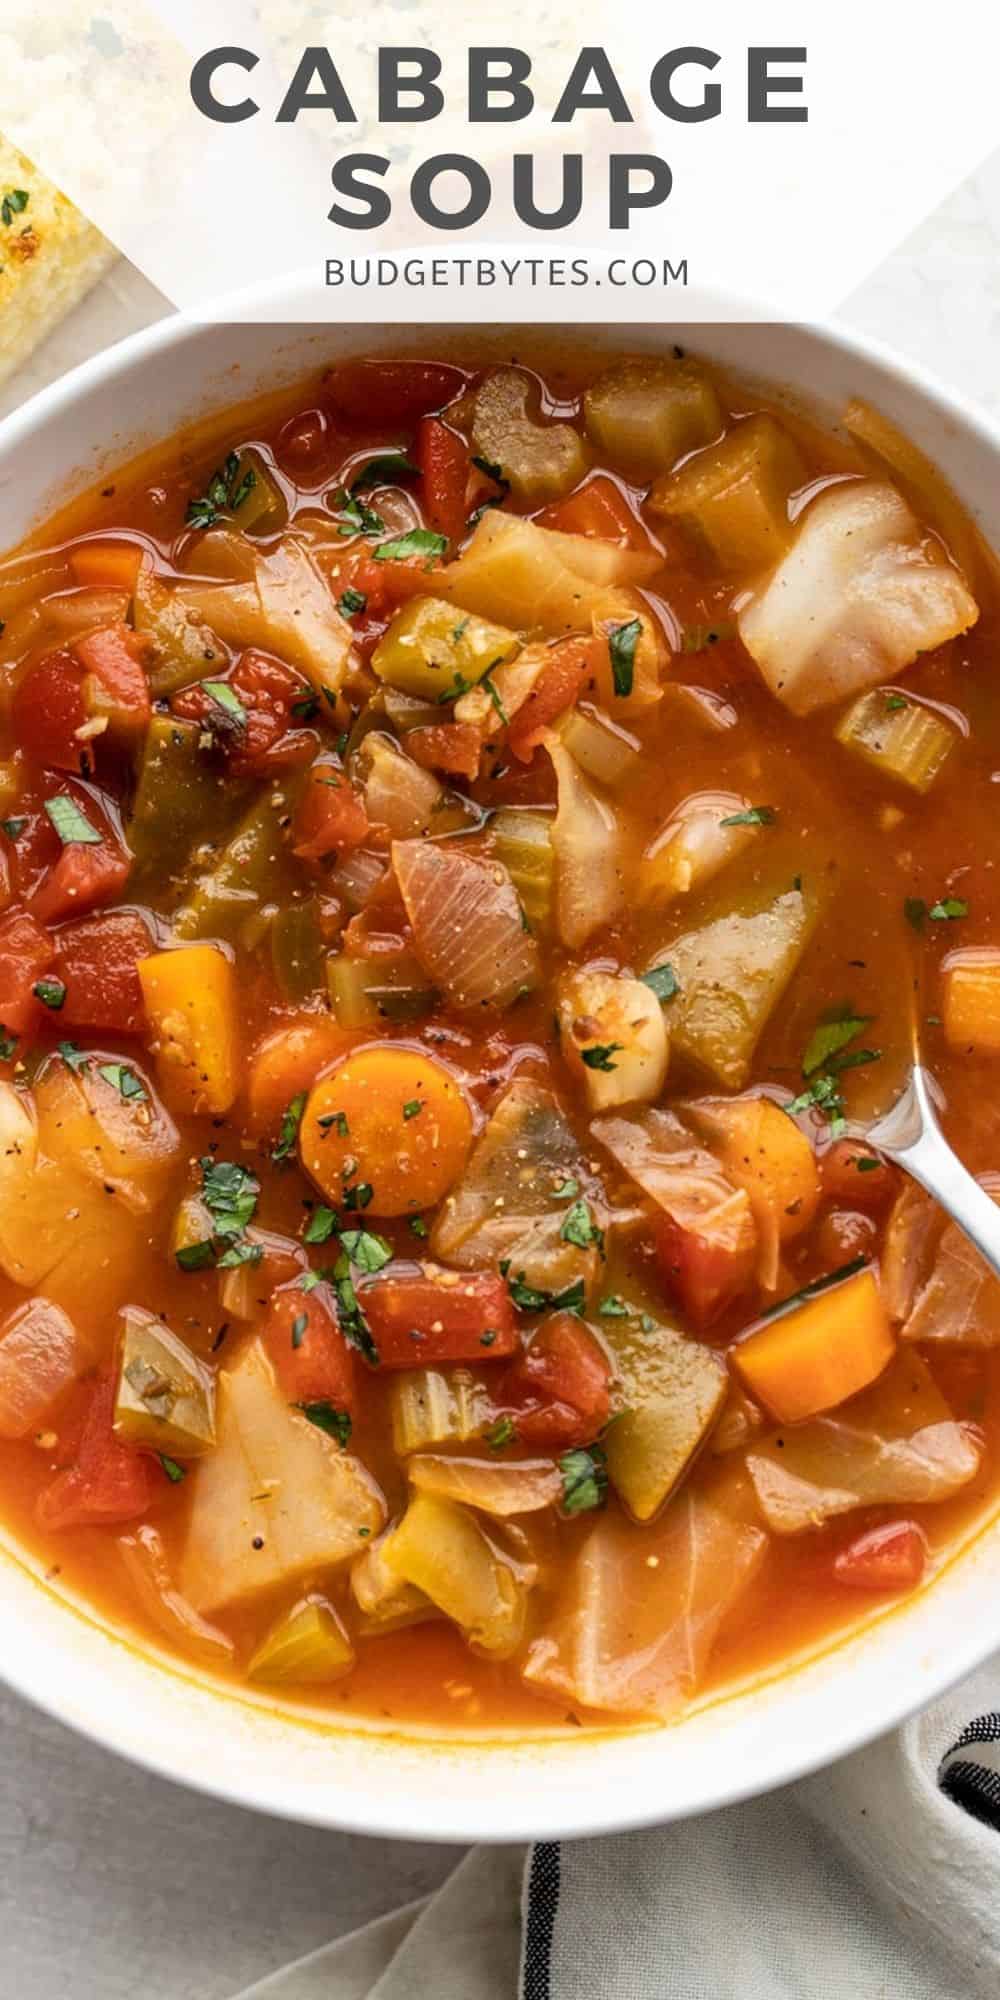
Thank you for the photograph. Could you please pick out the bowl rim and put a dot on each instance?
(596, 1812)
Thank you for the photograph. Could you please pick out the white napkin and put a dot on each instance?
(878, 1879)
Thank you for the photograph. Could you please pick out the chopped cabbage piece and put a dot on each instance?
(960, 1301)
(41, 1356)
(671, 1391)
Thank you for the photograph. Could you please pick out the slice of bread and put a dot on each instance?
(50, 257)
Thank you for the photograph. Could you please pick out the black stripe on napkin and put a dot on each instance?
(974, 1782)
(543, 1902)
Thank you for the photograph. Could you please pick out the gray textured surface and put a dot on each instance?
(114, 1884)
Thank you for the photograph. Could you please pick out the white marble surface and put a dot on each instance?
(113, 1884)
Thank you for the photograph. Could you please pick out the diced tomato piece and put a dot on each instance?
(454, 747)
(704, 1273)
(559, 1390)
(391, 392)
(107, 1483)
(417, 1315)
(119, 658)
(96, 960)
(330, 815)
(83, 877)
(47, 710)
(560, 683)
(892, 1557)
(443, 458)
(311, 1357)
(268, 736)
(26, 952)
(599, 509)
(854, 1176)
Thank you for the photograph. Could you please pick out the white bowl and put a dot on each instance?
(568, 1783)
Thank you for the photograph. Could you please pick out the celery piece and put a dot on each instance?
(898, 737)
(522, 841)
(253, 869)
(435, 653)
(534, 460)
(307, 1646)
(672, 1391)
(165, 1398)
(180, 800)
(298, 951)
(365, 991)
(431, 1408)
(643, 415)
(733, 497)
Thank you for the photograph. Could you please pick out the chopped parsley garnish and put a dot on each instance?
(13, 828)
(129, 1086)
(289, 1132)
(230, 1191)
(866, 1163)
(580, 1228)
(494, 695)
(72, 826)
(358, 1196)
(418, 1225)
(351, 602)
(455, 692)
(566, 1191)
(195, 1256)
(948, 910)
(367, 1252)
(305, 706)
(614, 1307)
(599, 1054)
(334, 1121)
(227, 699)
(500, 1434)
(894, 701)
(355, 516)
(585, 1479)
(75, 1058)
(240, 1251)
(492, 470)
(353, 1324)
(299, 1326)
(8, 1044)
(51, 993)
(384, 470)
(499, 478)
(529, 1298)
(622, 642)
(175, 1473)
(336, 1423)
(662, 981)
(227, 489)
(322, 1224)
(14, 202)
(416, 542)
(413, 1108)
(753, 816)
(827, 1056)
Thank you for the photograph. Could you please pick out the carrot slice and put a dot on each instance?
(388, 1131)
(106, 565)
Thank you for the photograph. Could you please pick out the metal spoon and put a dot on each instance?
(910, 1135)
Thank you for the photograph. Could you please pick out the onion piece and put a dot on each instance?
(586, 837)
(523, 1488)
(637, 1615)
(468, 926)
(860, 593)
(40, 1356)
(148, 1570)
(681, 1177)
(911, 1236)
(960, 1302)
(398, 793)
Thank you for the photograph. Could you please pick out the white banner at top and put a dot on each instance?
(708, 160)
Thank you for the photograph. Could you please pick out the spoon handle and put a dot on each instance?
(912, 1137)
